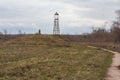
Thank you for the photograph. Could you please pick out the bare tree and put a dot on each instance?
(5, 32)
(1, 33)
(115, 30)
(118, 16)
(19, 32)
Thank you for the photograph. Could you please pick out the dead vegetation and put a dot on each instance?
(50, 57)
(43, 62)
(36, 40)
(100, 37)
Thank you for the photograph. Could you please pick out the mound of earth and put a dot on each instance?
(37, 40)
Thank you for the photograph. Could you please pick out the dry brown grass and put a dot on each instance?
(46, 57)
(53, 63)
(36, 40)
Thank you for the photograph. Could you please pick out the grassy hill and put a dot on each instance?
(4, 38)
(41, 62)
(37, 40)
(48, 57)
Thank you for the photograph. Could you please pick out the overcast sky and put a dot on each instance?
(76, 16)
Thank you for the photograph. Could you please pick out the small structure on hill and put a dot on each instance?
(56, 29)
(39, 31)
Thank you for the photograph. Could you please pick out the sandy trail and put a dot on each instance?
(114, 70)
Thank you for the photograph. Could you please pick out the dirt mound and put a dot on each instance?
(36, 40)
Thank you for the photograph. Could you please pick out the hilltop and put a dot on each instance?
(37, 40)
(51, 57)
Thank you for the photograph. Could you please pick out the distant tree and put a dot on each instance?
(99, 35)
(118, 16)
(19, 32)
(24, 33)
(1, 33)
(115, 30)
(5, 32)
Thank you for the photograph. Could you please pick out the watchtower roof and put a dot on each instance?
(56, 13)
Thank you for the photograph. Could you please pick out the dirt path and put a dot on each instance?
(114, 70)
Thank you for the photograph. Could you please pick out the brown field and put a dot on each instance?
(46, 59)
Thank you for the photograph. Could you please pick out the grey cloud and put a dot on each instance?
(41, 12)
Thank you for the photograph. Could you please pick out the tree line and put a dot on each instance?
(103, 35)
